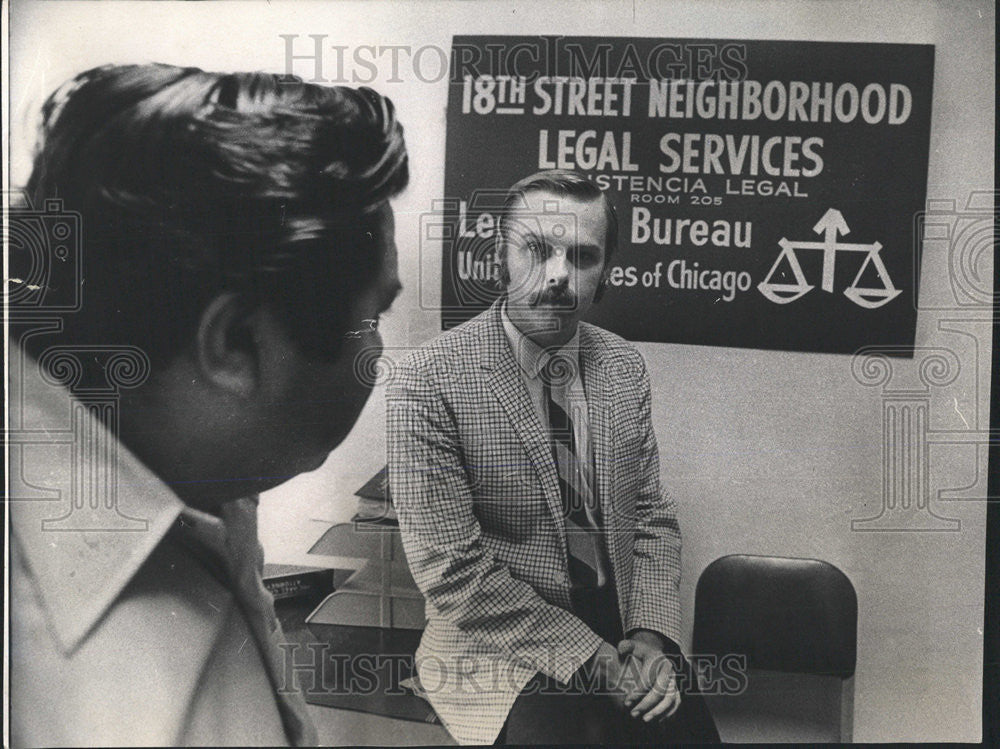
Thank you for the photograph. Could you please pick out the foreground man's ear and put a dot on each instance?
(227, 345)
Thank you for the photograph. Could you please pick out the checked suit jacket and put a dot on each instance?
(476, 490)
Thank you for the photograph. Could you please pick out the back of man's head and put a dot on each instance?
(191, 183)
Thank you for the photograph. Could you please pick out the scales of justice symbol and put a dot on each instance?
(830, 226)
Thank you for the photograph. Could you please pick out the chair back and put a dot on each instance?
(795, 615)
(795, 622)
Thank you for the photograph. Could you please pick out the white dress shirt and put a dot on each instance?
(157, 633)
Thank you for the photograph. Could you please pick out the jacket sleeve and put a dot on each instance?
(442, 538)
(654, 600)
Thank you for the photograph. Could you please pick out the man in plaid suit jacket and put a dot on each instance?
(481, 498)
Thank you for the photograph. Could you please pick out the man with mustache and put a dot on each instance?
(237, 249)
(525, 474)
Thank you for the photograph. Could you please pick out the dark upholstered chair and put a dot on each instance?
(793, 622)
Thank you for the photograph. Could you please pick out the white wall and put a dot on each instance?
(766, 452)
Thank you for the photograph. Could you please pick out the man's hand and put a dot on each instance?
(653, 693)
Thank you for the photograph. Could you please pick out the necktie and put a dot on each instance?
(579, 516)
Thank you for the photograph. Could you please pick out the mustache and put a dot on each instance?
(558, 297)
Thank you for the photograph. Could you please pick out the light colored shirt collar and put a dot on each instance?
(79, 565)
(531, 357)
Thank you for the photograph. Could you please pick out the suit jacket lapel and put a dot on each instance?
(508, 385)
(597, 385)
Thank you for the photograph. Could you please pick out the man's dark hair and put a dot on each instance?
(192, 183)
(561, 182)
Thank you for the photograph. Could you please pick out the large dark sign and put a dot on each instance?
(767, 191)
